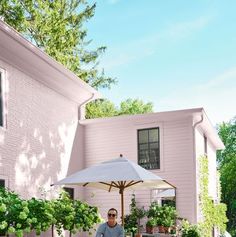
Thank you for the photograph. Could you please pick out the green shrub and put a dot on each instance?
(151, 222)
(189, 230)
(18, 216)
(164, 215)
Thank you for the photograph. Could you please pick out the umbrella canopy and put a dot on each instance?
(167, 194)
(116, 175)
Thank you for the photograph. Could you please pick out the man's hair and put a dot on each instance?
(113, 209)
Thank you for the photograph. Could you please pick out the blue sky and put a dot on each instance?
(176, 54)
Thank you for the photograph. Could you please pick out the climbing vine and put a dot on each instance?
(214, 215)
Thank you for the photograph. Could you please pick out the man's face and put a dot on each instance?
(111, 215)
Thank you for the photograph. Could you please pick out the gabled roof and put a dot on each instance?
(196, 114)
(22, 54)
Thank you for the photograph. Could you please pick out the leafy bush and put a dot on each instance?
(155, 212)
(190, 230)
(14, 214)
(151, 222)
(41, 215)
(132, 221)
(169, 215)
(18, 216)
(164, 215)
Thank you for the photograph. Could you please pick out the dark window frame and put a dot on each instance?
(70, 191)
(149, 165)
(2, 183)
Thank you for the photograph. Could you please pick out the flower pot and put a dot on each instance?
(138, 235)
(161, 229)
(149, 229)
(167, 229)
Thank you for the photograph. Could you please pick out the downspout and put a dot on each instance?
(195, 168)
(81, 115)
(80, 107)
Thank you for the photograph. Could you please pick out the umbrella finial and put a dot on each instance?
(121, 155)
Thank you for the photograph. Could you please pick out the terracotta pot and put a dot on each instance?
(167, 229)
(161, 229)
(138, 235)
(149, 229)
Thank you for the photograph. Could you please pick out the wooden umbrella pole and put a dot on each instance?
(122, 205)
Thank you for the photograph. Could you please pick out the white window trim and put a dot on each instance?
(3, 87)
(161, 137)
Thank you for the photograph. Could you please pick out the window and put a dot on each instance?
(168, 202)
(149, 148)
(1, 100)
(2, 183)
(70, 191)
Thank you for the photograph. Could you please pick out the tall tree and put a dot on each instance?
(57, 27)
(105, 108)
(227, 164)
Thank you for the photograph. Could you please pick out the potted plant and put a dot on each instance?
(155, 212)
(189, 230)
(139, 213)
(150, 225)
(130, 224)
(169, 215)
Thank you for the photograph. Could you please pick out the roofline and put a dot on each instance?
(193, 113)
(16, 36)
(136, 116)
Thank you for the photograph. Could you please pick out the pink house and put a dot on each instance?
(43, 138)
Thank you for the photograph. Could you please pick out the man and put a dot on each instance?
(110, 228)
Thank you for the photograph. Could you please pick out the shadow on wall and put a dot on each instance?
(37, 143)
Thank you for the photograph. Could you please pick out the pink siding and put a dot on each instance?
(36, 145)
(106, 140)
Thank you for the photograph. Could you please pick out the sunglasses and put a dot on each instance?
(111, 215)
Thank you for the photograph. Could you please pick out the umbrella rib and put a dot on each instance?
(133, 183)
(110, 184)
(130, 182)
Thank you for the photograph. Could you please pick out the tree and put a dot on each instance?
(105, 108)
(135, 106)
(57, 27)
(227, 165)
(100, 108)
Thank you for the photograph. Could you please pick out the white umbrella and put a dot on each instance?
(166, 194)
(117, 174)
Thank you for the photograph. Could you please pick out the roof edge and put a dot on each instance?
(45, 58)
(136, 116)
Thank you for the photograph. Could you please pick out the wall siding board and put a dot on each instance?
(36, 145)
(104, 141)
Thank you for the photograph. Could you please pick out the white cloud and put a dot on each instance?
(138, 49)
(183, 29)
(217, 96)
